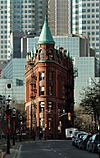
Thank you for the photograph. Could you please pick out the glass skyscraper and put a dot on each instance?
(59, 16)
(19, 17)
(86, 20)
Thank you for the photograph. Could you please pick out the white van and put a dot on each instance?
(69, 132)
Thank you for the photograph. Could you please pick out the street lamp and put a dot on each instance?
(20, 134)
(8, 119)
(14, 123)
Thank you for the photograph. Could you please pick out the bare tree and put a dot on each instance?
(91, 101)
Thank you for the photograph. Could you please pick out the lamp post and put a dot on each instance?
(14, 123)
(8, 130)
(8, 119)
(20, 134)
(99, 144)
(31, 119)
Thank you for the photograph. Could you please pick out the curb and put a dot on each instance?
(2, 154)
(13, 153)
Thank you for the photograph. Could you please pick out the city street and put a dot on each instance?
(52, 149)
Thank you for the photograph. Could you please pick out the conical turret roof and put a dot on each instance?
(45, 36)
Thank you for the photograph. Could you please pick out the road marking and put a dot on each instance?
(18, 152)
(46, 149)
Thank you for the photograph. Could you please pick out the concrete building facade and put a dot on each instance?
(19, 17)
(59, 16)
(86, 21)
(12, 82)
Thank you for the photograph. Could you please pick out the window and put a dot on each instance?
(51, 56)
(93, 10)
(9, 85)
(93, 16)
(41, 114)
(88, 27)
(50, 106)
(41, 76)
(93, 33)
(41, 90)
(83, 10)
(83, 22)
(88, 4)
(88, 21)
(93, 27)
(97, 27)
(93, 22)
(50, 90)
(84, 27)
(88, 16)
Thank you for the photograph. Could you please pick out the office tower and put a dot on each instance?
(59, 16)
(86, 20)
(19, 17)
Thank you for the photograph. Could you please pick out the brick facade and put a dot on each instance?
(49, 90)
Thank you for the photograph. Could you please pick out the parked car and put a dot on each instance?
(2, 136)
(93, 142)
(84, 140)
(79, 138)
(74, 137)
(98, 147)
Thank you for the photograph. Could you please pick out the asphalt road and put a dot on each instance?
(52, 149)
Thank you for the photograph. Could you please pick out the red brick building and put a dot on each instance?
(49, 87)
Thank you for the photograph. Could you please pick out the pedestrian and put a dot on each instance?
(33, 135)
(40, 135)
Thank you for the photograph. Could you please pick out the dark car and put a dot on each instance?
(79, 137)
(93, 142)
(74, 137)
(84, 140)
(98, 147)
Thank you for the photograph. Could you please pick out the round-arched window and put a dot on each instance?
(9, 85)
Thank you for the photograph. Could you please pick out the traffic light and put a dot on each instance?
(69, 116)
(14, 112)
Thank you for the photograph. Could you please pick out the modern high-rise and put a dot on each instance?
(86, 20)
(19, 17)
(59, 16)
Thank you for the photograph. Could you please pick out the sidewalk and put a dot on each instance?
(13, 151)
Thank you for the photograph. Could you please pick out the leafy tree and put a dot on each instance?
(91, 101)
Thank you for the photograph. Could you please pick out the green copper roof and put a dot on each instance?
(45, 36)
